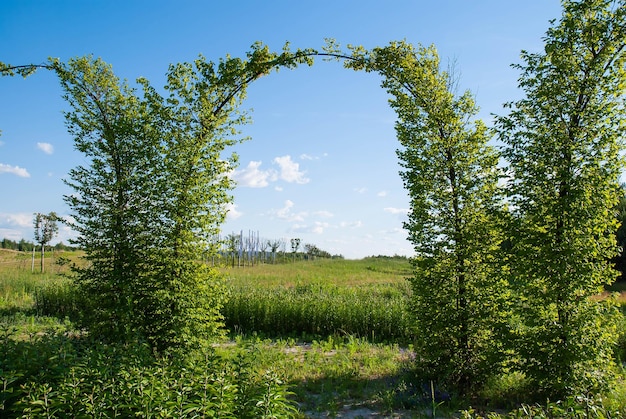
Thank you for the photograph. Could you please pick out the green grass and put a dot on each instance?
(340, 339)
(316, 299)
(339, 272)
(329, 374)
(19, 282)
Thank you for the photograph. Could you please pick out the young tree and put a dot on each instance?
(311, 250)
(155, 189)
(563, 146)
(45, 229)
(274, 246)
(233, 244)
(451, 176)
(295, 245)
(113, 202)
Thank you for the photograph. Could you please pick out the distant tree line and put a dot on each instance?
(27, 246)
(249, 249)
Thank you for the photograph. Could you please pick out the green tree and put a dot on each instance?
(45, 229)
(295, 245)
(563, 145)
(113, 205)
(233, 245)
(155, 189)
(451, 175)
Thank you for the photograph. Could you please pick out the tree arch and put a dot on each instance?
(156, 190)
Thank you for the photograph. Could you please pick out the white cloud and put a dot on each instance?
(351, 224)
(11, 234)
(401, 213)
(392, 210)
(382, 194)
(323, 214)
(360, 190)
(299, 228)
(253, 177)
(19, 219)
(231, 211)
(319, 227)
(285, 213)
(305, 156)
(46, 147)
(15, 170)
(395, 230)
(290, 170)
(65, 232)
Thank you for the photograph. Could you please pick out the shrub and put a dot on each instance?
(54, 376)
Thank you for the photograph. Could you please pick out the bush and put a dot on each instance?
(52, 375)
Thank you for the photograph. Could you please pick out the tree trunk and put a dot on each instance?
(42, 256)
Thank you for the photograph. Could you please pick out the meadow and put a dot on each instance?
(311, 338)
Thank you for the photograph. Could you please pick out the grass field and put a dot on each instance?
(336, 332)
(329, 371)
(316, 299)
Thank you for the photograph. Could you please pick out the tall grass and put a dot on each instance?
(377, 313)
(18, 286)
(313, 299)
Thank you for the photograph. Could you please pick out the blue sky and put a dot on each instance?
(321, 163)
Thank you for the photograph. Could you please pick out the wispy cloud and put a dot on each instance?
(15, 170)
(401, 213)
(231, 211)
(290, 170)
(351, 224)
(360, 190)
(46, 147)
(305, 156)
(11, 234)
(319, 227)
(392, 210)
(316, 228)
(395, 230)
(19, 219)
(382, 194)
(286, 213)
(323, 214)
(253, 177)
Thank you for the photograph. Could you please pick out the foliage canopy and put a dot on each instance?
(563, 144)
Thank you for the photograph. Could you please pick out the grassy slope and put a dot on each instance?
(368, 271)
